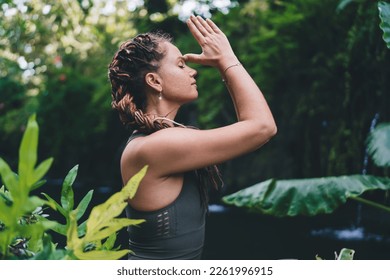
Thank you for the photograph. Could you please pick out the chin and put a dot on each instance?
(192, 97)
(195, 97)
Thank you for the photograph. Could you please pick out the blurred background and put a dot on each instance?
(322, 65)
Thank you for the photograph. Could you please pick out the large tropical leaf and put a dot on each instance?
(384, 15)
(343, 3)
(378, 145)
(304, 196)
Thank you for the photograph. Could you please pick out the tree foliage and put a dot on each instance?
(322, 65)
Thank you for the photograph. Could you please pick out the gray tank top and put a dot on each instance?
(174, 232)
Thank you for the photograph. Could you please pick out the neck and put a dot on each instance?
(162, 110)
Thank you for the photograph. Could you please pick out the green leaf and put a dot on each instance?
(384, 15)
(38, 184)
(5, 196)
(67, 195)
(4, 212)
(28, 153)
(32, 203)
(110, 242)
(55, 226)
(101, 255)
(53, 204)
(378, 145)
(110, 227)
(73, 241)
(9, 178)
(83, 205)
(49, 251)
(41, 170)
(102, 224)
(131, 187)
(342, 4)
(82, 228)
(345, 254)
(304, 196)
(102, 214)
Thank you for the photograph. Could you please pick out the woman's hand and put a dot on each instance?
(216, 49)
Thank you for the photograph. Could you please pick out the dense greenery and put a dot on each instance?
(323, 195)
(322, 66)
(25, 229)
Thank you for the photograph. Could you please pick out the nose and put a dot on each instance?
(193, 73)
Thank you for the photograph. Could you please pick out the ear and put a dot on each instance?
(153, 80)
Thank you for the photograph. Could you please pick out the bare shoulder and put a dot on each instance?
(143, 149)
(131, 160)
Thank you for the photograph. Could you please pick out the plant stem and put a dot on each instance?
(371, 203)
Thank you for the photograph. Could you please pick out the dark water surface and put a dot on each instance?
(237, 234)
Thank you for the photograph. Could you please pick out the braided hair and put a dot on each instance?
(134, 59)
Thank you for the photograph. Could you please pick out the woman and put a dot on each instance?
(150, 81)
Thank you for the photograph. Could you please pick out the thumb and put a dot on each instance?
(191, 57)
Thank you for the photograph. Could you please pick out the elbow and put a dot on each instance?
(270, 130)
(273, 129)
(265, 132)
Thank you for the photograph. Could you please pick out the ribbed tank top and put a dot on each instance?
(174, 232)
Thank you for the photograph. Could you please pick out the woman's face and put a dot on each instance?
(178, 80)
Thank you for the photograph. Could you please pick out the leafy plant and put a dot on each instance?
(345, 254)
(16, 203)
(102, 225)
(384, 15)
(24, 229)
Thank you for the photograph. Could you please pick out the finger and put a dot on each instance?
(199, 26)
(190, 57)
(195, 32)
(213, 26)
(205, 25)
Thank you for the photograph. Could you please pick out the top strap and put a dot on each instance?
(134, 135)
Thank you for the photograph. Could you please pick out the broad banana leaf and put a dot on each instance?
(307, 197)
(378, 145)
(342, 4)
(384, 15)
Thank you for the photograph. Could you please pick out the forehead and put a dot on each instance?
(171, 51)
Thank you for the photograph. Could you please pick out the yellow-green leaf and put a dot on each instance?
(9, 178)
(110, 227)
(101, 255)
(41, 170)
(73, 241)
(114, 206)
(132, 185)
(28, 153)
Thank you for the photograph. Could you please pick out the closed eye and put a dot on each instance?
(182, 63)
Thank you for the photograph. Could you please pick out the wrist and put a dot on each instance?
(227, 62)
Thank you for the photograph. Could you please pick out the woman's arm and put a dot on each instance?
(176, 150)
